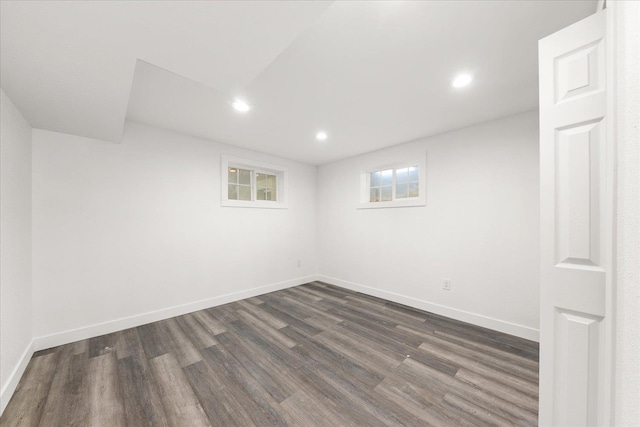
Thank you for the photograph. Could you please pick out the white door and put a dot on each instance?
(576, 167)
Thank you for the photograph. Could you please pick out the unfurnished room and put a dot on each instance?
(320, 213)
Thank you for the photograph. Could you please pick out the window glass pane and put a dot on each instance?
(402, 175)
(271, 182)
(401, 191)
(266, 194)
(413, 189)
(386, 193)
(261, 181)
(374, 195)
(245, 177)
(375, 179)
(387, 177)
(265, 187)
(244, 191)
(413, 173)
(233, 192)
(233, 175)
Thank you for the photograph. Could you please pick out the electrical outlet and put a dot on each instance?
(299, 263)
(446, 284)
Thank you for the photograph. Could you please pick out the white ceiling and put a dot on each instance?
(372, 74)
(68, 66)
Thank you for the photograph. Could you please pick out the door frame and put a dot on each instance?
(623, 102)
(610, 196)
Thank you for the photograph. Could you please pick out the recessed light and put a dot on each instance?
(241, 106)
(461, 80)
(321, 136)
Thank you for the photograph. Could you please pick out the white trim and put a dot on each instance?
(53, 340)
(9, 387)
(443, 310)
(624, 35)
(609, 206)
(421, 200)
(254, 166)
(402, 203)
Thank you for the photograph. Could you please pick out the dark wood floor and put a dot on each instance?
(314, 355)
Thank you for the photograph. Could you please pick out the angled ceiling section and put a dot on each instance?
(171, 101)
(372, 74)
(68, 66)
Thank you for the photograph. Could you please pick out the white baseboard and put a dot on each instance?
(60, 338)
(464, 316)
(9, 387)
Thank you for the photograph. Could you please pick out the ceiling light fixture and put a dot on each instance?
(241, 106)
(461, 80)
(321, 136)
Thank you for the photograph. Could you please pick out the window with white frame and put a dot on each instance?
(248, 183)
(397, 185)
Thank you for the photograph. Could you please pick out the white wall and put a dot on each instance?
(479, 228)
(15, 247)
(627, 391)
(121, 230)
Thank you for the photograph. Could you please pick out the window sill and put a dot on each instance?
(418, 202)
(253, 204)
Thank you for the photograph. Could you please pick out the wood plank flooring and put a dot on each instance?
(313, 355)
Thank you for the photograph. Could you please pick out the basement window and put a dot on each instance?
(397, 185)
(251, 184)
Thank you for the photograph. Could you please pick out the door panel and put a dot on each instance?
(574, 261)
(577, 344)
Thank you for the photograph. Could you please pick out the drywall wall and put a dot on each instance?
(125, 234)
(15, 247)
(627, 376)
(479, 227)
